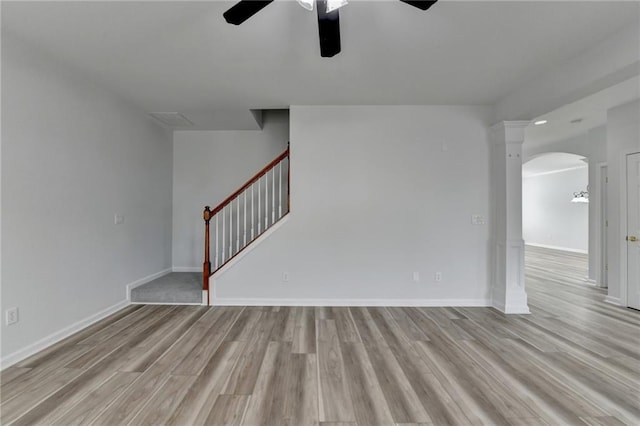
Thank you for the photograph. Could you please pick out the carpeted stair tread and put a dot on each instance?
(176, 287)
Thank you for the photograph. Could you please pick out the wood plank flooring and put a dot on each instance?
(574, 361)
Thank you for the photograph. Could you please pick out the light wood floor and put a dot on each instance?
(575, 360)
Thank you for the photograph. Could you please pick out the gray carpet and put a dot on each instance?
(177, 287)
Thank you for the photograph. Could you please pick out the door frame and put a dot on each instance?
(624, 284)
(601, 225)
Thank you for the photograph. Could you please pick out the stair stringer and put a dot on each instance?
(233, 262)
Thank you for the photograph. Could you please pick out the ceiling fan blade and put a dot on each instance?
(328, 30)
(244, 10)
(420, 4)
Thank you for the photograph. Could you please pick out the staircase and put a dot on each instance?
(239, 220)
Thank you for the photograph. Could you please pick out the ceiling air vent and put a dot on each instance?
(173, 119)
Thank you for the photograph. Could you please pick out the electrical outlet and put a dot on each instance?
(438, 277)
(285, 277)
(416, 276)
(11, 316)
(477, 219)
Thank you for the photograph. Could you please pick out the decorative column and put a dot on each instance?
(593, 187)
(508, 292)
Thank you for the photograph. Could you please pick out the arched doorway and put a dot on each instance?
(555, 215)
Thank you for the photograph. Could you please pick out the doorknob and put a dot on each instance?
(632, 238)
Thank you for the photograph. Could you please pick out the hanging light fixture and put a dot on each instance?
(307, 4)
(335, 5)
(331, 4)
(580, 197)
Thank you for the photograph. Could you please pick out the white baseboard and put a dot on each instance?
(168, 303)
(570, 250)
(353, 302)
(145, 280)
(511, 309)
(516, 310)
(77, 326)
(613, 300)
(45, 342)
(187, 269)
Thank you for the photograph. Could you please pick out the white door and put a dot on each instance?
(633, 230)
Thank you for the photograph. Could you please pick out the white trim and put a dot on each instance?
(186, 269)
(240, 255)
(59, 335)
(518, 310)
(550, 172)
(622, 230)
(613, 300)
(601, 241)
(558, 248)
(589, 281)
(624, 285)
(145, 280)
(353, 302)
(248, 249)
(508, 131)
(169, 303)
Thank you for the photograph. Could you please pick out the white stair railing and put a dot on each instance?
(246, 214)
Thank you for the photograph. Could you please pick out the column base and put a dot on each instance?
(512, 308)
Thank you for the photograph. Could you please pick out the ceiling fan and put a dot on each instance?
(328, 18)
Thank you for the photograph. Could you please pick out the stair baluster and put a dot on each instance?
(262, 213)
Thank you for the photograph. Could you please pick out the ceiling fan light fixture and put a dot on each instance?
(328, 18)
(307, 4)
(335, 5)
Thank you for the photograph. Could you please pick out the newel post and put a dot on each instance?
(206, 266)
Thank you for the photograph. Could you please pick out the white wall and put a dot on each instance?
(591, 144)
(549, 218)
(377, 193)
(73, 154)
(623, 137)
(208, 167)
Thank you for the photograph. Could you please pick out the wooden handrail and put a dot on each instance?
(250, 182)
(208, 214)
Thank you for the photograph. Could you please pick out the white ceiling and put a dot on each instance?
(591, 110)
(553, 162)
(182, 55)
